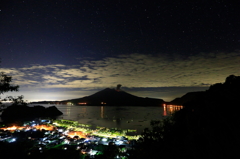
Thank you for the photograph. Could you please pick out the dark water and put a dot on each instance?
(124, 117)
(113, 117)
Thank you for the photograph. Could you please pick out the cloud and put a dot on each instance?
(133, 71)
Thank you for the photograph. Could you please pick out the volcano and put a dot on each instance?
(115, 97)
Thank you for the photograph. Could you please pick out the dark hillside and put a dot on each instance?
(186, 98)
(207, 127)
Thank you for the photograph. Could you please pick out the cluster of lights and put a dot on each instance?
(171, 108)
(39, 127)
(82, 103)
(13, 128)
(72, 134)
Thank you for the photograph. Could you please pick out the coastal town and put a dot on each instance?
(65, 136)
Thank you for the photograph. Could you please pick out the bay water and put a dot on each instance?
(121, 117)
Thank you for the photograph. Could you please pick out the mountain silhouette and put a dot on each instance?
(113, 97)
(208, 125)
(187, 98)
(218, 92)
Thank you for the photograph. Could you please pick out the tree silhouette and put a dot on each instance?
(5, 84)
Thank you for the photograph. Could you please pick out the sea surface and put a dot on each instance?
(124, 117)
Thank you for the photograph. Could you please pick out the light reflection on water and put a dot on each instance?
(124, 117)
(170, 109)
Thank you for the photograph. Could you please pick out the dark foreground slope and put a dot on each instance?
(114, 97)
(207, 127)
(22, 112)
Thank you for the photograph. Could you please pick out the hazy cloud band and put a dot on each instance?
(133, 70)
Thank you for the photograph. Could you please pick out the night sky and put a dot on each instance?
(64, 49)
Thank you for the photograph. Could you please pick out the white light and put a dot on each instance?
(93, 152)
(104, 139)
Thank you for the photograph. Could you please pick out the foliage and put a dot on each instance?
(100, 131)
(6, 86)
(5, 83)
(16, 100)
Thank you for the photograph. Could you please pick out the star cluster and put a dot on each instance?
(159, 49)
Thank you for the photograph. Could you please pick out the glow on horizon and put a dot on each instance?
(167, 94)
(142, 74)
